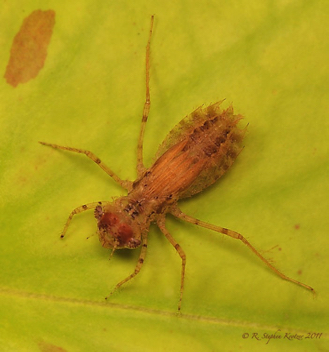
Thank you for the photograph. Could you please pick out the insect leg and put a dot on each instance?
(123, 183)
(147, 104)
(79, 210)
(137, 268)
(178, 213)
(161, 224)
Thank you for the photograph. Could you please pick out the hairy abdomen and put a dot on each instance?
(199, 150)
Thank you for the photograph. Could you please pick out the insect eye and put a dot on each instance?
(125, 231)
(126, 237)
(109, 219)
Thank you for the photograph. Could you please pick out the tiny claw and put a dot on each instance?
(314, 293)
(107, 297)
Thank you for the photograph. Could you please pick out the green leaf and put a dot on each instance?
(271, 60)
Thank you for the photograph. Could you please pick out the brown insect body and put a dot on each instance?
(201, 148)
(196, 153)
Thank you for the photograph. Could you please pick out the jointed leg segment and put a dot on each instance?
(137, 268)
(146, 110)
(80, 210)
(161, 224)
(178, 213)
(125, 184)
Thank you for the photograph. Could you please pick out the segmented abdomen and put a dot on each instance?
(217, 140)
(199, 150)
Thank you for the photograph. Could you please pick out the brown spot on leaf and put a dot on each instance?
(29, 49)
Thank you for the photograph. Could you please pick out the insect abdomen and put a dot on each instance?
(199, 150)
(217, 140)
